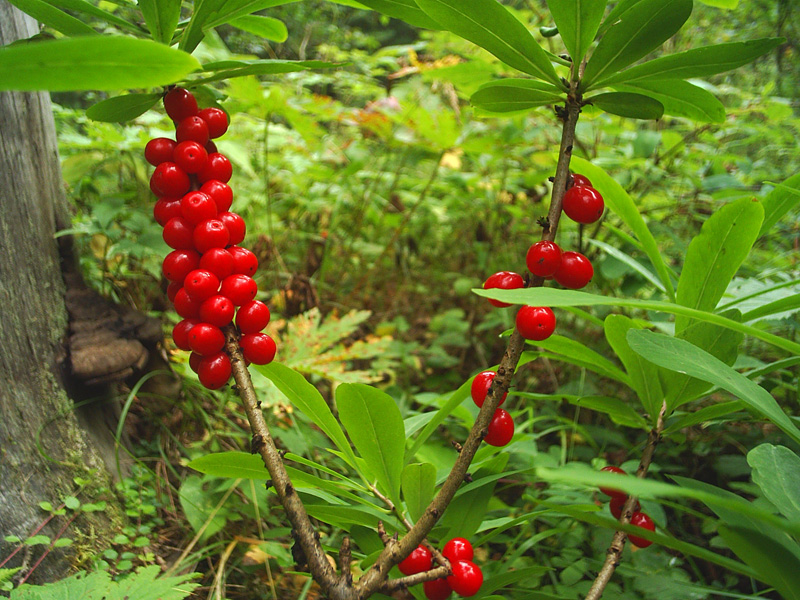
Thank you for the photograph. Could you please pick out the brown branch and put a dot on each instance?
(614, 553)
(402, 583)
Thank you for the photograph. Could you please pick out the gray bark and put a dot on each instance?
(42, 445)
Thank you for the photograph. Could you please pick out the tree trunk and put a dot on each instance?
(43, 447)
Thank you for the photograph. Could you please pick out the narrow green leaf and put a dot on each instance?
(122, 108)
(631, 262)
(579, 354)
(773, 566)
(715, 254)
(789, 303)
(729, 4)
(704, 415)
(195, 30)
(491, 26)
(697, 62)
(418, 484)
(776, 470)
(680, 99)
(509, 95)
(780, 201)
(638, 31)
(92, 63)
(643, 374)
(456, 398)
(376, 427)
(229, 69)
(236, 465)
(86, 8)
(52, 17)
(307, 398)
(467, 511)
(161, 18)
(617, 410)
(546, 296)
(405, 10)
(629, 105)
(577, 22)
(265, 27)
(620, 203)
(681, 356)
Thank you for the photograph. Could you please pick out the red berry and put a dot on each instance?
(536, 322)
(504, 280)
(458, 549)
(206, 339)
(480, 387)
(214, 371)
(258, 348)
(179, 104)
(543, 258)
(610, 491)
(617, 502)
(190, 156)
(501, 429)
(186, 306)
(165, 209)
(583, 204)
(194, 361)
(438, 589)
(159, 150)
(239, 288)
(173, 288)
(466, 579)
(219, 261)
(197, 207)
(217, 310)
(180, 333)
(220, 192)
(578, 179)
(418, 561)
(178, 234)
(253, 317)
(235, 225)
(640, 519)
(210, 234)
(192, 129)
(244, 261)
(216, 120)
(217, 167)
(169, 180)
(575, 270)
(201, 284)
(179, 263)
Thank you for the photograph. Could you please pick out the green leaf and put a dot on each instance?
(638, 31)
(161, 18)
(265, 27)
(92, 63)
(697, 62)
(789, 303)
(236, 465)
(630, 261)
(680, 99)
(621, 204)
(617, 410)
(779, 569)
(195, 30)
(577, 22)
(491, 26)
(52, 17)
(729, 4)
(780, 201)
(376, 427)
(776, 470)
(307, 398)
(405, 10)
(546, 296)
(704, 415)
(715, 254)
(201, 507)
(629, 105)
(681, 356)
(579, 354)
(122, 108)
(86, 8)
(614, 15)
(509, 95)
(644, 375)
(418, 483)
(228, 69)
(456, 398)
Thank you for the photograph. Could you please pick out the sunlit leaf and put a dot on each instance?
(577, 21)
(680, 99)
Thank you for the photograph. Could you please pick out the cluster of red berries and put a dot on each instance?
(584, 204)
(638, 518)
(466, 579)
(210, 275)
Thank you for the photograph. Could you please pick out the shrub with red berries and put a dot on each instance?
(616, 504)
(466, 577)
(211, 276)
